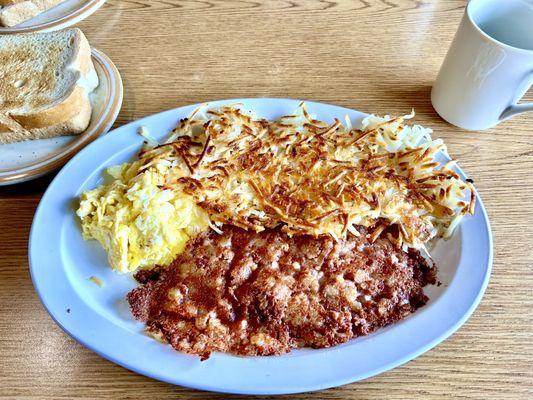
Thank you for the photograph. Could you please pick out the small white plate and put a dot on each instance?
(61, 264)
(61, 16)
(30, 159)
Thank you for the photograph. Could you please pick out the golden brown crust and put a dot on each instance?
(74, 102)
(74, 125)
(313, 177)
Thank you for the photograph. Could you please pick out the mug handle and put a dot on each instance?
(515, 109)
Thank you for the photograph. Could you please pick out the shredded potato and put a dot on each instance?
(311, 177)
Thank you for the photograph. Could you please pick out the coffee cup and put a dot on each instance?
(489, 66)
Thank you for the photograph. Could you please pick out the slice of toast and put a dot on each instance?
(14, 12)
(45, 82)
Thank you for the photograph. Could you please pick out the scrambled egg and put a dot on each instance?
(138, 222)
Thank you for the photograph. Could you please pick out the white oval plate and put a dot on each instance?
(30, 159)
(59, 17)
(61, 264)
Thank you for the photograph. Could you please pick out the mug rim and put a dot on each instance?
(487, 36)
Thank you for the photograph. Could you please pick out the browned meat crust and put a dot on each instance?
(265, 293)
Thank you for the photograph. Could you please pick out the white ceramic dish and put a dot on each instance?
(62, 16)
(27, 160)
(99, 318)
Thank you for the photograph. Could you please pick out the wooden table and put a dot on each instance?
(372, 55)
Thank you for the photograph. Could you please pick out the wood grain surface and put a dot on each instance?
(372, 55)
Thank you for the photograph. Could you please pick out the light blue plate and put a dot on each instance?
(61, 264)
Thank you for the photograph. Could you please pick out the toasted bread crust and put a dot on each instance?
(65, 109)
(75, 125)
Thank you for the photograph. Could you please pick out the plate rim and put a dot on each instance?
(75, 16)
(273, 390)
(113, 104)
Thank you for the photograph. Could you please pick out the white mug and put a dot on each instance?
(489, 66)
